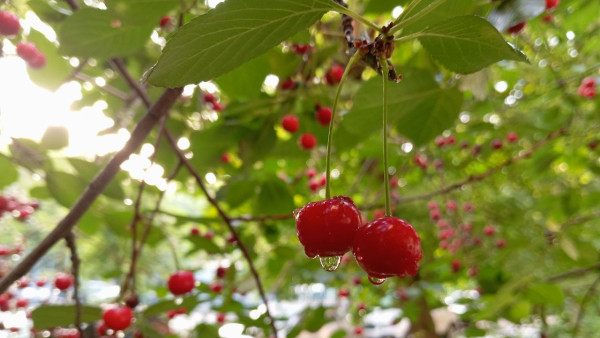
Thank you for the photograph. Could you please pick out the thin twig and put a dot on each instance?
(75, 261)
(581, 219)
(574, 273)
(107, 88)
(590, 292)
(95, 188)
(227, 221)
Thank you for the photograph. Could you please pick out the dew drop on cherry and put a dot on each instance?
(330, 263)
(376, 281)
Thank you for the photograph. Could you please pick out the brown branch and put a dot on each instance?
(581, 219)
(109, 89)
(73, 4)
(119, 64)
(95, 188)
(590, 292)
(75, 261)
(227, 221)
(573, 273)
(249, 218)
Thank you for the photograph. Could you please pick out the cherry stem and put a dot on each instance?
(352, 61)
(386, 178)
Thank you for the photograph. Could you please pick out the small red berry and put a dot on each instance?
(388, 247)
(327, 228)
(343, 293)
(393, 182)
(587, 92)
(473, 271)
(334, 75)
(440, 141)
(209, 234)
(21, 302)
(40, 282)
(432, 205)
(421, 161)
(164, 21)
(446, 234)
(489, 230)
(588, 82)
(516, 28)
(220, 318)
(209, 98)
(132, 301)
(323, 115)
(288, 84)
(497, 143)
(551, 4)
(443, 223)
(314, 186)
(195, 232)
(118, 318)
(181, 282)
(218, 106)
(9, 23)
(356, 280)
(450, 140)
(592, 145)
(290, 123)
(63, 281)
(361, 307)
(512, 137)
(456, 265)
(468, 207)
(225, 158)
(434, 214)
(323, 180)
(464, 145)
(216, 287)
(101, 328)
(310, 173)
(301, 49)
(451, 205)
(547, 18)
(221, 272)
(358, 330)
(31, 54)
(500, 243)
(308, 141)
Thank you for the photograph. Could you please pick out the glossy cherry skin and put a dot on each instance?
(181, 282)
(164, 21)
(308, 141)
(290, 123)
(334, 75)
(327, 228)
(63, 281)
(388, 247)
(118, 318)
(323, 115)
(9, 23)
(551, 4)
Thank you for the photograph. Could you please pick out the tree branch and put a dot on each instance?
(95, 188)
(573, 273)
(227, 221)
(590, 292)
(75, 261)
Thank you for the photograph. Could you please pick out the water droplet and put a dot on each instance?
(330, 263)
(376, 281)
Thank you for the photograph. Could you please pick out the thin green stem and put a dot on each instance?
(352, 61)
(407, 10)
(386, 178)
(365, 21)
(417, 16)
(409, 37)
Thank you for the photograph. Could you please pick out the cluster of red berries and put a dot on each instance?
(19, 209)
(587, 88)
(307, 141)
(550, 6)
(384, 247)
(213, 102)
(10, 26)
(334, 75)
(315, 183)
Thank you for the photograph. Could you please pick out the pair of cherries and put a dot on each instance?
(385, 247)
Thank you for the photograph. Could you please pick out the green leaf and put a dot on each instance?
(55, 137)
(188, 302)
(233, 33)
(9, 172)
(312, 321)
(240, 190)
(467, 44)
(64, 187)
(49, 316)
(88, 171)
(48, 11)
(204, 244)
(245, 82)
(546, 293)
(206, 330)
(449, 9)
(120, 30)
(418, 107)
(274, 198)
(57, 68)
(569, 248)
(521, 309)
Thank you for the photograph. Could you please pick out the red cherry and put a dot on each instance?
(181, 282)
(456, 265)
(358, 330)
(551, 4)
(468, 207)
(512, 137)
(165, 20)
(23, 282)
(421, 161)
(388, 247)
(516, 28)
(314, 186)
(218, 106)
(27, 51)
(195, 232)
(440, 141)
(588, 82)
(308, 141)
(476, 240)
(63, 281)
(434, 214)
(443, 223)
(356, 280)
(220, 318)
(323, 115)
(132, 301)
(451, 205)
(288, 84)
(221, 272)
(22, 302)
(500, 243)
(334, 75)
(301, 49)
(9, 23)
(361, 307)
(547, 18)
(343, 292)
(290, 123)
(497, 143)
(473, 271)
(209, 234)
(225, 158)
(489, 230)
(310, 173)
(450, 140)
(587, 92)
(216, 287)
(118, 318)
(209, 98)
(327, 228)
(432, 205)
(41, 282)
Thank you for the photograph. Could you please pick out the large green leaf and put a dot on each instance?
(55, 137)
(546, 293)
(418, 107)
(57, 69)
(245, 82)
(274, 198)
(231, 34)
(467, 44)
(64, 187)
(120, 30)
(88, 171)
(447, 9)
(9, 172)
(49, 316)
